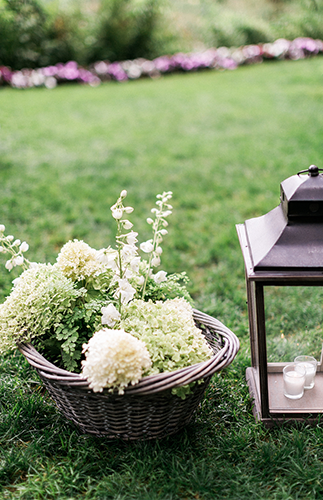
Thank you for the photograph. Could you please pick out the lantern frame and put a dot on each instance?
(265, 380)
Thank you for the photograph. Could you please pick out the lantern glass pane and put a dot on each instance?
(294, 322)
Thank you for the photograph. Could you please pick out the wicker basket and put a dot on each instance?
(147, 410)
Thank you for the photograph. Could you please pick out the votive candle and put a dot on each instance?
(294, 381)
(310, 365)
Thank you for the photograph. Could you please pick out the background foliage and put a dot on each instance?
(37, 33)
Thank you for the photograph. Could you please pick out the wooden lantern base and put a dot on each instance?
(283, 410)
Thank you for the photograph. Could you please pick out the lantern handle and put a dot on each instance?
(313, 171)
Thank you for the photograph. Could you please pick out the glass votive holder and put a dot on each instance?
(294, 380)
(310, 365)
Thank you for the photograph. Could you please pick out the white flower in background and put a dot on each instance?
(24, 247)
(127, 274)
(114, 359)
(140, 280)
(134, 264)
(125, 291)
(160, 277)
(147, 246)
(108, 257)
(117, 213)
(18, 261)
(155, 261)
(8, 244)
(110, 315)
(132, 238)
(126, 224)
(128, 252)
(118, 209)
(9, 265)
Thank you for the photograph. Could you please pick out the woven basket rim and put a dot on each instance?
(153, 383)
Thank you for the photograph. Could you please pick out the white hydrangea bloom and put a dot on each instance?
(114, 359)
(78, 261)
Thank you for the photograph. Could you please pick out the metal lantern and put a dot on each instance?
(283, 248)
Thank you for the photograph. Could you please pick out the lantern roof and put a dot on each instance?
(290, 237)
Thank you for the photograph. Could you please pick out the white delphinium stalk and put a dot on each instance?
(126, 256)
(114, 359)
(152, 246)
(15, 248)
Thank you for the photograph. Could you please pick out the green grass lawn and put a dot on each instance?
(222, 142)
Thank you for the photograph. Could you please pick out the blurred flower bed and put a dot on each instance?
(103, 71)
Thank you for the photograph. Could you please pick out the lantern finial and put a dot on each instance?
(313, 171)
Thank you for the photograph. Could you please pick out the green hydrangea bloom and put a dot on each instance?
(169, 332)
(39, 299)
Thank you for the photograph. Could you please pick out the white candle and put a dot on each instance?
(309, 375)
(309, 364)
(294, 381)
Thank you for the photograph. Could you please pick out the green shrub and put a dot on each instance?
(21, 32)
(304, 19)
(34, 34)
(233, 29)
(30, 37)
(125, 29)
(61, 40)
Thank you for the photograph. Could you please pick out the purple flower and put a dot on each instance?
(5, 74)
(117, 72)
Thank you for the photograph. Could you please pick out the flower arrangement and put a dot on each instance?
(105, 312)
